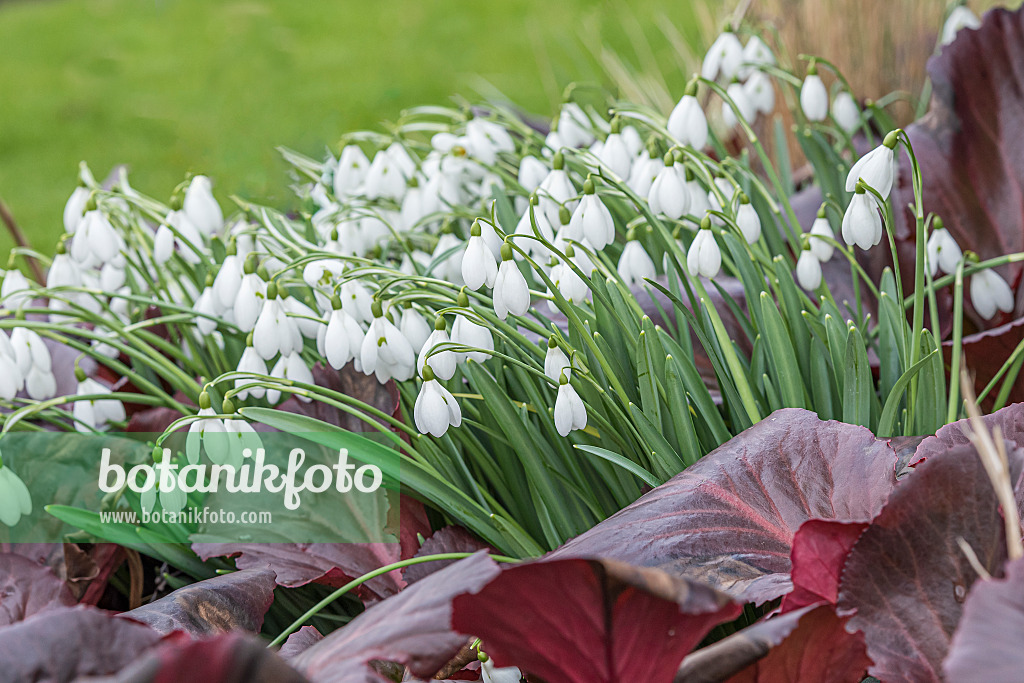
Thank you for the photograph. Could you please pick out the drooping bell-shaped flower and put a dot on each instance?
(511, 292)
(760, 92)
(275, 332)
(532, 172)
(385, 178)
(442, 362)
(591, 220)
(465, 332)
(478, 265)
(755, 55)
(206, 434)
(350, 172)
(556, 190)
(435, 409)
(95, 241)
(252, 293)
(555, 361)
(486, 139)
(943, 251)
(34, 363)
(845, 111)
(96, 413)
(724, 57)
(240, 436)
(534, 223)
(343, 336)
(687, 122)
(290, 368)
(574, 126)
(990, 293)
(207, 309)
(876, 168)
(820, 229)
(813, 95)
(959, 18)
(568, 282)
(747, 111)
(492, 674)
(614, 152)
(15, 501)
(704, 258)
(304, 318)
(635, 265)
(229, 278)
(748, 220)
(250, 362)
(202, 208)
(413, 326)
(11, 377)
(570, 412)
(645, 170)
(808, 270)
(385, 352)
(16, 290)
(861, 223)
(75, 208)
(669, 195)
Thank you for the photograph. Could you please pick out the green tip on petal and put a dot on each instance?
(248, 340)
(204, 401)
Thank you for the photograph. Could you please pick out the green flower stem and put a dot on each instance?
(953, 407)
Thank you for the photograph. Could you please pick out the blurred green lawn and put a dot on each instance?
(174, 86)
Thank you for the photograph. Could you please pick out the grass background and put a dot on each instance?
(174, 86)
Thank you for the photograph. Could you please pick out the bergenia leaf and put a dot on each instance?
(820, 547)
(27, 588)
(729, 519)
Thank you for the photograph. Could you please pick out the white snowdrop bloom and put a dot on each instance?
(724, 57)
(34, 364)
(645, 169)
(414, 326)
(591, 220)
(478, 265)
(228, 280)
(357, 300)
(755, 55)
(568, 282)
(304, 318)
(570, 413)
(201, 208)
(384, 178)
(532, 172)
(415, 205)
(385, 352)
(252, 292)
(861, 223)
(401, 159)
(486, 139)
(95, 413)
(739, 97)
(574, 126)
(511, 292)
(95, 241)
(556, 190)
(960, 18)
(989, 293)
(11, 380)
(63, 272)
(669, 195)
(728, 191)
(943, 251)
(704, 257)
(208, 312)
(240, 436)
(274, 332)
(748, 220)
(492, 674)
(615, 154)
(635, 265)
(556, 362)
(845, 111)
(808, 270)
(631, 137)
(112, 275)
(435, 409)
(250, 362)
(465, 332)
(699, 205)
(544, 230)
(341, 338)
(75, 208)
(16, 290)
(15, 501)
(443, 363)
(206, 434)
(319, 195)
(290, 368)
(820, 228)
(814, 96)
(350, 172)
(875, 169)
(760, 92)
(163, 244)
(450, 267)
(687, 122)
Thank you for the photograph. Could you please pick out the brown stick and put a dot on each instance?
(466, 655)
(19, 239)
(135, 573)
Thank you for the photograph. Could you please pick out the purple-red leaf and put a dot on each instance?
(450, 539)
(27, 587)
(729, 519)
(413, 628)
(820, 547)
(986, 645)
(591, 621)
(1009, 421)
(300, 641)
(235, 601)
(906, 578)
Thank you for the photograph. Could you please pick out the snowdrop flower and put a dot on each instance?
(229, 278)
(95, 241)
(723, 58)
(846, 112)
(570, 413)
(450, 268)
(16, 290)
(669, 195)
(207, 310)
(568, 282)
(413, 326)
(748, 220)
(441, 362)
(808, 270)
(989, 293)
(755, 55)
(303, 318)
(172, 498)
(342, 337)
(435, 409)
(492, 674)
(486, 139)
(250, 362)
(960, 18)
(728, 191)
(699, 204)
(290, 368)
(861, 224)
(177, 232)
(943, 251)
(614, 153)
(687, 122)
(556, 190)
(465, 332)
(384, 178)
(240, 436)
(274, 332)
(591, 220)
(574, 126)
(533, 215)
(760, 92)
(112, 274)
(875, 169)
(511, 293)
(11, 378)
(556, 362)
(75, 208)
(813, 95)
(34, 364)
(350, 171)
(635, 266)
(532, 172)
(15, 501)
(94, 414)
(357, 301)
(738, 94)
(821, 228)
(644, 171)
(63, 272)
(704, 257)
(478, 265)
(385, 352)
(201, 208)
(252, 292)
(206, 434)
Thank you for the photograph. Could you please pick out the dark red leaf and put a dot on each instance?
(451, 539)
(300, 641)
(27, 588)
(906, 578)
(352, 383)
(413, 627)
(1009, 420)
(986, 352)
(227, 658)
(235, 601)
(810, 644)
(729, 519)
(820, 547)
(986, 645)
(591, 621)
(64, 644)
